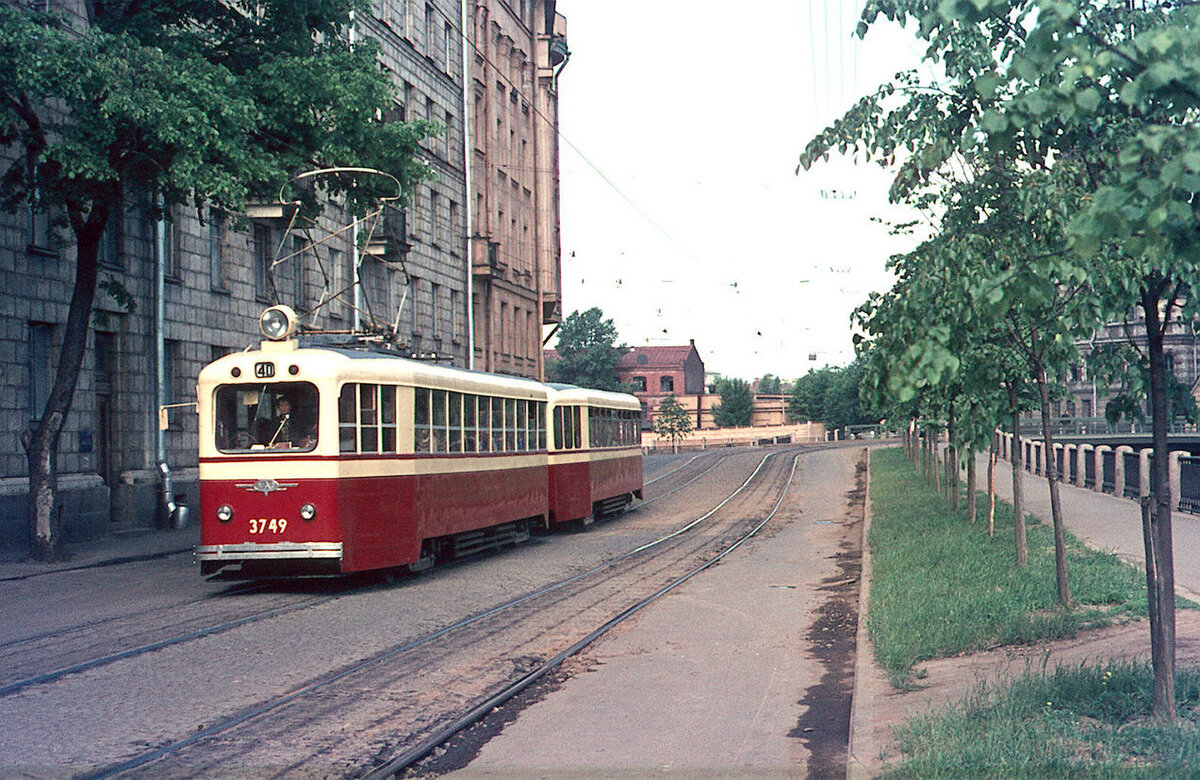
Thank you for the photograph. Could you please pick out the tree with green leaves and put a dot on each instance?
(588, 352)
(736, 409)
(770, 384)
(1108, 90)
(207, 103)
(807, 401)
(672, 421)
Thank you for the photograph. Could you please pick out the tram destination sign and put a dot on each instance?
(264, 370)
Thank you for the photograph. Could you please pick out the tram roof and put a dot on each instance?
(323, 362)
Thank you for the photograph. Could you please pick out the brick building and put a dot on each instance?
(216, 279)
(656, 372)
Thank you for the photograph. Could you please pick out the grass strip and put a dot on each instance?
(1067, 722)
(942, 587)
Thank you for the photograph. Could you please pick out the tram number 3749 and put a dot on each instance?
(265, 525)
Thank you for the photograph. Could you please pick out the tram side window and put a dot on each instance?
(485, 424)
(367, 418)
(510, 424)
(540, 423)
(440, 437)
(497, 425)
(456, 422)
(280, 417)
(568, 431)
(421, 419)
(470, 421)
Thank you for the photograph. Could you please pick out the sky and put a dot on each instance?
(682, 213)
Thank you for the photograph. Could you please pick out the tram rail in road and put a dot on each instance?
(406, 758)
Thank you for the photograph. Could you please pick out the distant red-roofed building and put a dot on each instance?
(655, 372)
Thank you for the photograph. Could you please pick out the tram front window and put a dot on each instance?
(281, 417)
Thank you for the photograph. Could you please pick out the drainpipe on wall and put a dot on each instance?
(169, 512)
(466, 124)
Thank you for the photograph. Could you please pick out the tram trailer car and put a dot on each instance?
(595, 453)
(327, 460)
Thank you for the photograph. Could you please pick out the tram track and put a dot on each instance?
(48, 656)
(649, 567)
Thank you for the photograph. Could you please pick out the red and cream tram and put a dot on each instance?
(595, 453)
(332, 459)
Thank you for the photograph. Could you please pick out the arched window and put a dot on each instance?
(666, 384)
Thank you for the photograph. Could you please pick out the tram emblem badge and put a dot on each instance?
(267, 486)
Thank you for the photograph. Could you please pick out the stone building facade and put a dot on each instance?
(520, 51)
(1088, 399)
(218, 276)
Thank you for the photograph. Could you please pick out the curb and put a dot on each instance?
(43, 569)
(862, 750)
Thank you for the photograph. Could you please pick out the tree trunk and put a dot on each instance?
(935, 459)
(1061, 574)
(951, 461)
(1018, 497)
(991, 476)
(41, 442)
(971, 507)
(1160, 549)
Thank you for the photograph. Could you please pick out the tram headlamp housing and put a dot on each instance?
(278, 322)
(308, 512)
(225, 513)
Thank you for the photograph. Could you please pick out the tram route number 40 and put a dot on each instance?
(264, 370)
(274, 525)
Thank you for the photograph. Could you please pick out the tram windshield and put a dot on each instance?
(281, 417)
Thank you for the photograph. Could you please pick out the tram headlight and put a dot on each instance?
(308, 512)
(278, 322)
(225, 513)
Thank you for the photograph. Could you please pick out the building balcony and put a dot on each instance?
(558, 50)
(486, 260)
(551, 307)
(391, 237)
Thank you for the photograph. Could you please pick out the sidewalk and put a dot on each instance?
(1106, 522)
(140, 545)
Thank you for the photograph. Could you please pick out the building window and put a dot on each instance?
(297, 263)
(666, 384)
(504, 328)
(38, 226)
(167, 244)
(264, 253)
(339, 283)
(41, 336)
(108, 253)
(639, 384)
(414, 302)
(216, 249)
(434, 296)
(430, 43)
(455, 318)
(447, 39)
(172, 366)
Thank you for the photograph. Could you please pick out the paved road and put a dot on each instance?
(711, 681)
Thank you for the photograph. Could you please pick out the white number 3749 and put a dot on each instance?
(264, 526)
